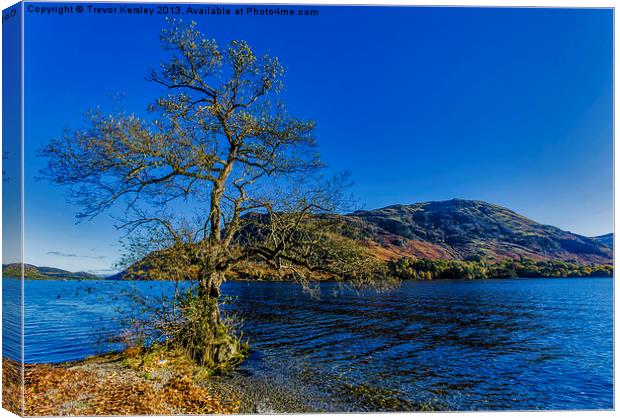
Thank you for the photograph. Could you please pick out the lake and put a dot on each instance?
(462, 345)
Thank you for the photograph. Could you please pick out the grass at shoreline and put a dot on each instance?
(117, 384)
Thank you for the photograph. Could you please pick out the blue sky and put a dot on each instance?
(510, 106)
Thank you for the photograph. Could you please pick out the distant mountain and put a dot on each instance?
(43, 273)
(468, 229)
(607, 239)
(453, 230)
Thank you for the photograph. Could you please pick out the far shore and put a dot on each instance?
(279, 280)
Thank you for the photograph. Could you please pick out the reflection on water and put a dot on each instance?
(492, 344)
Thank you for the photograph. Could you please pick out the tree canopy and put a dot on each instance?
(216, 147)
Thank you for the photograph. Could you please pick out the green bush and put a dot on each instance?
(424, 269)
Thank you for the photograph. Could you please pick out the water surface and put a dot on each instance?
(484, 344)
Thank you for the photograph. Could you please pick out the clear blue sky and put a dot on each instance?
(510, 106)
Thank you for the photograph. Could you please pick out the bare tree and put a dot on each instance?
(217, 176)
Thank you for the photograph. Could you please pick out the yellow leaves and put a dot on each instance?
(11, 386)
(105, 386)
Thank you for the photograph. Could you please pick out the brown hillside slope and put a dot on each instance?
(463, 229)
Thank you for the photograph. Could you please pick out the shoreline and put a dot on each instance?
(108, 384)
(127, 383)
(320, 281)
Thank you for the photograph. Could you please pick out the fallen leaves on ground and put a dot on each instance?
(107, 386)
(12, 386)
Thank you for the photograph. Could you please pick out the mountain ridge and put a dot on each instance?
(43, 273)
(460, 229)
(452, 230)
(606, 239)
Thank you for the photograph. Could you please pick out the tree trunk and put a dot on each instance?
(207, 339)
(210, 284)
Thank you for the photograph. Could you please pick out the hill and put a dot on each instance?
(457, 231)
(607, 239)
(43, 273)
(467, 229)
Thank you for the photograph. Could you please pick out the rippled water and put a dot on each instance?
(487, 344)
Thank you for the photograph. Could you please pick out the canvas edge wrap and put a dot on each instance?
(12, 204)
